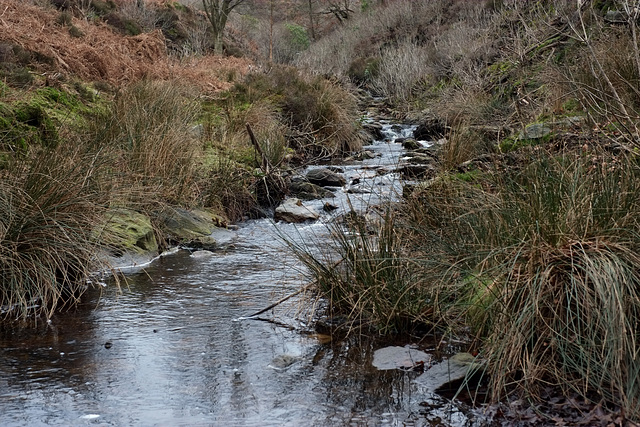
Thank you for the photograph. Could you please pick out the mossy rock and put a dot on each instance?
(127, 231)
(35, 116)
(192, 228)
(307, 191)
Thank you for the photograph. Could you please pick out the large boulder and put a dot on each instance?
(325, 178)
(193, 228)
(293, 211)
(127, 231)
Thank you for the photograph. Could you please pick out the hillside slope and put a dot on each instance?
(35, 36)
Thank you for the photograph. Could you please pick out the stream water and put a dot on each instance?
(173, 348)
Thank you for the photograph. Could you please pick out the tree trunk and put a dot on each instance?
(217, 12)
(312, 28)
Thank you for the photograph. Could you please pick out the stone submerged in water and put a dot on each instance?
(282, 362)
(293, 211)
(307, 191)
(395, 357)
(452, 369)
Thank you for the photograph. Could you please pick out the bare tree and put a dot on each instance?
(218, 12)
(340, 9)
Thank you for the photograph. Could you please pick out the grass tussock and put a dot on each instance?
(545, 264)
(149, 128)
(540, 262)
(319, 113)
(48, 208)
(367, 277)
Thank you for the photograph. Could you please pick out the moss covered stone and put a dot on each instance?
(190, 227)
(127, 231)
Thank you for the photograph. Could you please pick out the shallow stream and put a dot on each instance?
(173, 347)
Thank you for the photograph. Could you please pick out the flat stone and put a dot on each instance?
(395, 357)
(293, 211)
(447, 371)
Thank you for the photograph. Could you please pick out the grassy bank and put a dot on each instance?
(525, 243)
(71, 153)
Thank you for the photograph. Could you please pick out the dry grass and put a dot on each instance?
(49, 205)
(149, 130)
(545, 266)
(318, 112)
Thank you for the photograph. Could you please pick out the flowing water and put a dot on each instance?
(175, 347)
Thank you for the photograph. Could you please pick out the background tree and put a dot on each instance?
(217, 12)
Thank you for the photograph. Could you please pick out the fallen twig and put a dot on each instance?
(281, 300)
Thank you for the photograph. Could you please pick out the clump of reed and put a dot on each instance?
(545, 267)
(366, 275)
(149, 129)
(49, 205)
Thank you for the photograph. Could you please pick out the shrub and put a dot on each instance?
(16, 76)
(123, 24)
(75, 32)
(65, 19)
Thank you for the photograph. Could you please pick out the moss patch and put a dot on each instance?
(126, 231)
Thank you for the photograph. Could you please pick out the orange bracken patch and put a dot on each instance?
(101, 54)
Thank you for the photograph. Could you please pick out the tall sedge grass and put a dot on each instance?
(150, 129)
(48, 207)
(227, 188)
(545, 266)
(367, 277)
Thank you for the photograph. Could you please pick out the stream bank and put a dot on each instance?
(173, 347)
